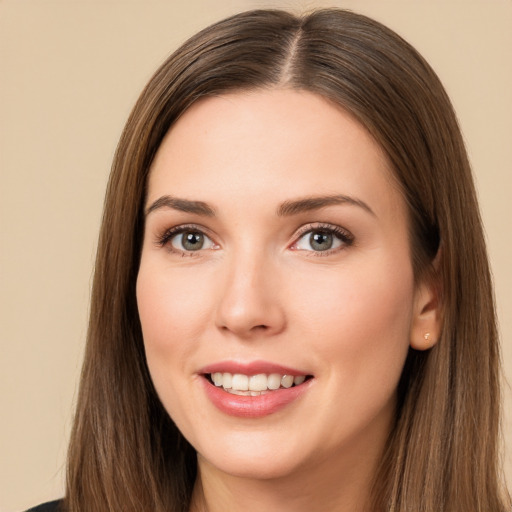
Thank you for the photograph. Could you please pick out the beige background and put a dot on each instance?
(69, 73)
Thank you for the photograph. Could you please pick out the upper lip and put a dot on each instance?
(251, 368)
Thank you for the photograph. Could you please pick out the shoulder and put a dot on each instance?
(51, 506)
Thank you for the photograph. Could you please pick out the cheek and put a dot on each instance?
(169, 305)
(357, 326)
(172, 320)
(172, 317)
(361, 320)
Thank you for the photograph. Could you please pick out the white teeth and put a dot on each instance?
(254, 385)
(274, 381)
(258, 382)
(237, 392)
(217, 378)
(287, 381)
(227, 380)
(299, 379)
(240, 382)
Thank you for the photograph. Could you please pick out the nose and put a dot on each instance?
(249, 297)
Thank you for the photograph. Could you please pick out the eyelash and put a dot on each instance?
(164, 240)
(344, 236)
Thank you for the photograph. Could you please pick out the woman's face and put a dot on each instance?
(276, 244)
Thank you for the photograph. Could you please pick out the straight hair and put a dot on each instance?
(442, 455)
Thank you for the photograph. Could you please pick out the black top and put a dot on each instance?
(51, 506)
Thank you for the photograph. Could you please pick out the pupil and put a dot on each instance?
(321, 241)
(193, 241)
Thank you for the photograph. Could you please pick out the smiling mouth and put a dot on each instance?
(254, 385)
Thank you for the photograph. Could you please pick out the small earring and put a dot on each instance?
(427, 336)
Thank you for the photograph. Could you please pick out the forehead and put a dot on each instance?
(277, 143)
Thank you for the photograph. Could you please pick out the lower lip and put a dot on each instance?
(253, 406)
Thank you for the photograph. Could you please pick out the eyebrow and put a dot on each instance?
(182, 205)
(286, 209)
(317, 202)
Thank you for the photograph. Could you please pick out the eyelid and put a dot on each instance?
(340, 233)
(164, 238)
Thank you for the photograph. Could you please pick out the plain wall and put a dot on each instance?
(70, 72)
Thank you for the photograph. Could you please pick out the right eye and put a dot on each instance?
(190, 240)
(186, 240)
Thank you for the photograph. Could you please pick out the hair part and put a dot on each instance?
(125, 452)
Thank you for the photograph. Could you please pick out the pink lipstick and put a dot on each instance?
(253, 389)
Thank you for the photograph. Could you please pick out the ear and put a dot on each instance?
(426, 321)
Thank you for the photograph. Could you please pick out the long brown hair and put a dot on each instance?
(125, 453)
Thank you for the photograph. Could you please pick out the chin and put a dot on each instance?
(252, 460)
(240, 467)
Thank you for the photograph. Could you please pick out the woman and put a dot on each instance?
(282, 316)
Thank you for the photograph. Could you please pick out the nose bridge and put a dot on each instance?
(249, 299)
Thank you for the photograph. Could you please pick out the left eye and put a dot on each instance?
(191, 241)
(319, 240)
